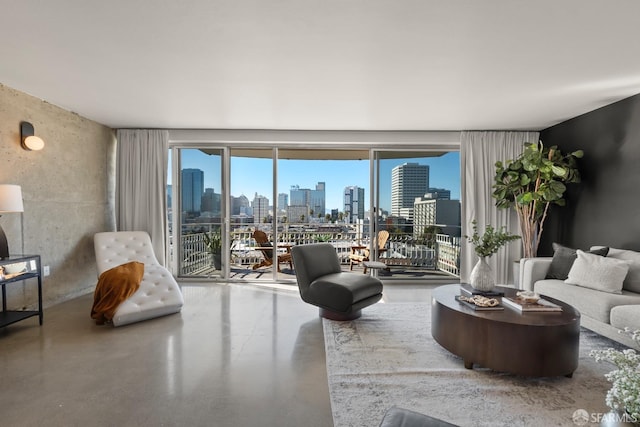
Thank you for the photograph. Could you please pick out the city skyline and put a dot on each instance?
(444, 172)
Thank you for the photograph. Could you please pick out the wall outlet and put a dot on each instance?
(45, 270)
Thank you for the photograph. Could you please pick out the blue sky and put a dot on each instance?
(253, 175)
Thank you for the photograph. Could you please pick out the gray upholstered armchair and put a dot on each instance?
(340, 296)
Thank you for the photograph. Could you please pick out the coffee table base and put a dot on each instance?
(504, 341)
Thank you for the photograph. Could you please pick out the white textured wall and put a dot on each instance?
(67, 190)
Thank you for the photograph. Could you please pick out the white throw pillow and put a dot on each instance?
(632, 281)
(598, 272)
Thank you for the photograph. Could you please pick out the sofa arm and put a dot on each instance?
(532, 270)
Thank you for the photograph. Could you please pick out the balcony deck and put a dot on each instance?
(407, 258)
(245, 273)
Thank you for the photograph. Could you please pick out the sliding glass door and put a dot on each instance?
(314, 197)
(416, 199)
(196, 204)
(251, 214)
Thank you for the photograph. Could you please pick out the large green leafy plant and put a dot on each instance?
(531, 184)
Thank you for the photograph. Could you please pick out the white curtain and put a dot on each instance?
(142, 159)
(479, 151)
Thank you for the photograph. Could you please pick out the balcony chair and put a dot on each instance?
(321, 282)
(263, 242)
(158, 293)
(360, 254)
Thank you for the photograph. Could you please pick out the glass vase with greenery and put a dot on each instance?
(490, 241)
(485, 245)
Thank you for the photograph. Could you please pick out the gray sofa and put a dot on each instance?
(605, 312)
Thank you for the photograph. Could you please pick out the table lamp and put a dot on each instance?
(10, 201)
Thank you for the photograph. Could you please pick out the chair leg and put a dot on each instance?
(262, 263)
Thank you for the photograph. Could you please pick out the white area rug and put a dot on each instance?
(388, 357)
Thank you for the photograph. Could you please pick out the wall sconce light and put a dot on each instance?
(28, 139)
(10, 201)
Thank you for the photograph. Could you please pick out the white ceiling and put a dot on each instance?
(323, 64)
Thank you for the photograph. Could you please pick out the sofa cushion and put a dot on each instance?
(626, 316)
(563, 258)
(632, 281)
(597, 272)
(589, 302)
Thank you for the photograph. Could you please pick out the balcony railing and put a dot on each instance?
(402, 250)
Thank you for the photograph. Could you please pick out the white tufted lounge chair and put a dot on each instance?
(159, 293)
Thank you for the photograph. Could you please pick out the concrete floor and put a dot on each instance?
(237, 355)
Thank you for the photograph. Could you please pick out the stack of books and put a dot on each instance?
(468, 290)
(524, 305)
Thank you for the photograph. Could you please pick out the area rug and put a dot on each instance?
(388, 358)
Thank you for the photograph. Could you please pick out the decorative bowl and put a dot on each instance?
(15, 268)
(528, 296)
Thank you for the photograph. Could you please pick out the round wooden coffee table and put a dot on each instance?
(531, 344)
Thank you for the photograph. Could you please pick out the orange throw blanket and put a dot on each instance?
(114, 286)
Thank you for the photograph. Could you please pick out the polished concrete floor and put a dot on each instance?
(237, 355)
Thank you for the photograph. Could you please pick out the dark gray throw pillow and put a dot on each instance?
(563, 259)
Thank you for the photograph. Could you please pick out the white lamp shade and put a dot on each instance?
(11, 198)
(33, 143)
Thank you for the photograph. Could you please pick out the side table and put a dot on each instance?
(31, 270)
(374, 266)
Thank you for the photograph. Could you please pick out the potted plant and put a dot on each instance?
(323, 238)
(213, 242)
(533, 182)
(485, 245)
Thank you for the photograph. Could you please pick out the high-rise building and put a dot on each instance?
(317, 200)
(192, 187)
(438, 193)
(408, 182)
(260, 206)
(353, 204)
(240, 205)
(297, 196)
(314, 199)
(443, 214)
(211, 202)
(283, 202)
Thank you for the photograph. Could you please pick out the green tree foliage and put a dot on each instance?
(533, 182)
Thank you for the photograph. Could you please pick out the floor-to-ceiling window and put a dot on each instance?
(301, 195)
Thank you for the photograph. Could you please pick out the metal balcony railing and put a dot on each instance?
(402, 249)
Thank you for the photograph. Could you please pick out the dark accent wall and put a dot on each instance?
(604, 209)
